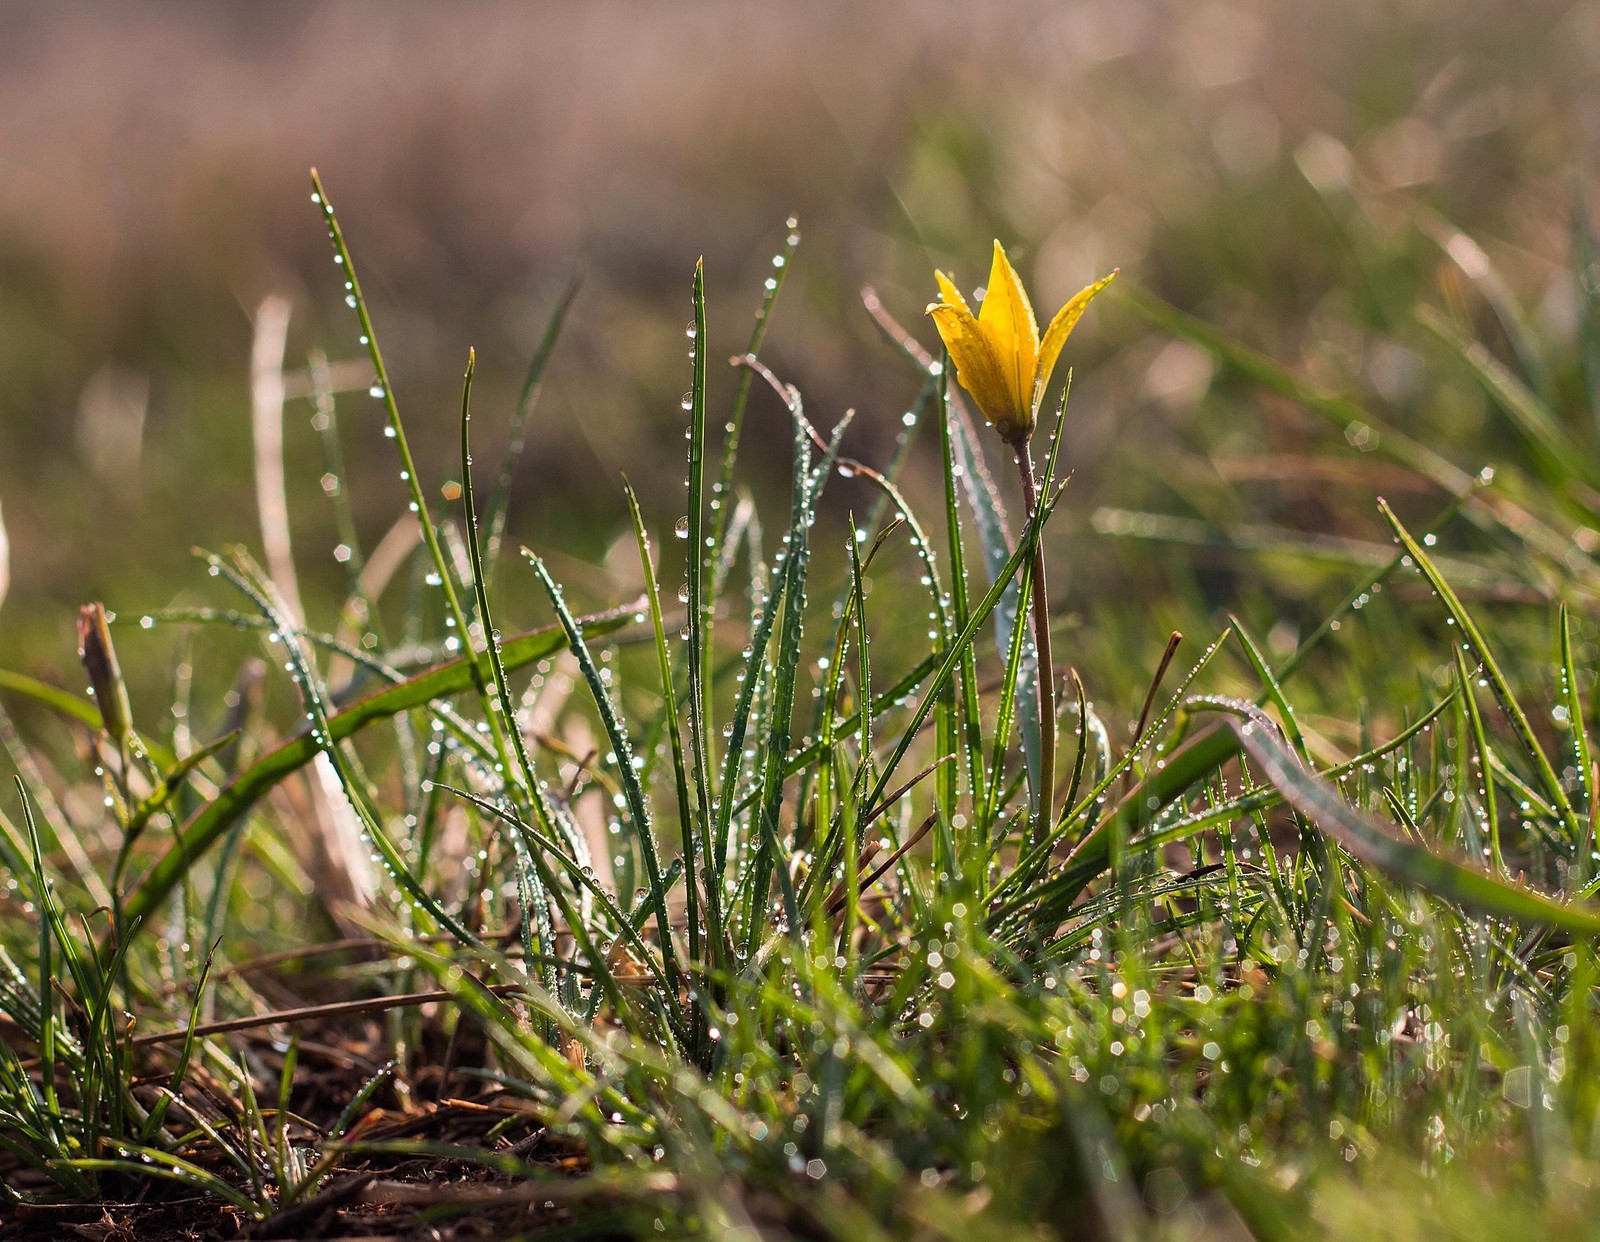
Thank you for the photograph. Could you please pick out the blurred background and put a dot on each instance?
(1294, 172)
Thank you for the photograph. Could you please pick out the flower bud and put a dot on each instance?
(99, 659)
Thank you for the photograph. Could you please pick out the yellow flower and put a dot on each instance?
(999, 356)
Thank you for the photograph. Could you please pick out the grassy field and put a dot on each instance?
(721, 896)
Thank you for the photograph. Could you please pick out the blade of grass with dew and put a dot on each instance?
(769, 854)
(700, 630)
(720, 490)
(1181, 769)
(1412, 864)
(306, 681)
(1491, 667)
(970, 714)
(851, 822)
(536, 883)
(1582, 754)
(752, 676)
(1005, 716)
(1271, 687)
(1480, 746)
(832, 728)
(947, 665)
(241, 793)
(672, 729)
(633, 792)
(946, 714)
(443, 576)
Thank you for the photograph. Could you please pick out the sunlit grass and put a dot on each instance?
(1303, 944)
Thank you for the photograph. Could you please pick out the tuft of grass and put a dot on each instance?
(742, 897)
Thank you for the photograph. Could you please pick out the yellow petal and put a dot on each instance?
(979, 370)
(948, 291)
(1007, 320)
(1055, 336)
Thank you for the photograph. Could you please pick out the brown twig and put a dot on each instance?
(310, 1013)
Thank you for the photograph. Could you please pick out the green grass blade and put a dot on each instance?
(1582, 754)
(769, 852)
(970, 717)
(700, 627)
(208, 824)
(60, 701)
(952, 658)
(1497, 679)
(1444, 877)
(633, 791)
(1480, 744)
(1271, 687)
(1559, 456)
(499, 506)
(395, 430)
(669, 706)
(534, 878)
(721, 489)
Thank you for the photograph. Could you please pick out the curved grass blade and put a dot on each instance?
(395, 430)
(720, 490)
(1402, 860)
(969, 717)
(1270, 686)
(252, 583)
(214, 819)
(626, 927)
(58, 700)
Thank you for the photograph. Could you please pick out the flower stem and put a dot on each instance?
(1045, 673)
